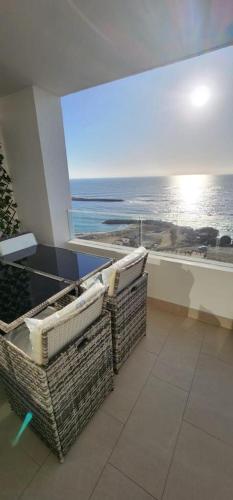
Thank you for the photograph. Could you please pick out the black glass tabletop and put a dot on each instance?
(66, 264)
(22, 291)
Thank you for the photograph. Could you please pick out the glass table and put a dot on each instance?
(33, 278)
(58, 262)
(25, 293)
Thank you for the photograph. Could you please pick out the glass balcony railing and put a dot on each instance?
(167, 237)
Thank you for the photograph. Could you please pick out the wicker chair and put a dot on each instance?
(68, 387)
(127, 295)
(16, 243)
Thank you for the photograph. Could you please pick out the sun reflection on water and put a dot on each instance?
(190, 191)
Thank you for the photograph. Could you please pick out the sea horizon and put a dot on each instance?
(151, 176)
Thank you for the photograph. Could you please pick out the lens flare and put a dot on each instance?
(25, 423)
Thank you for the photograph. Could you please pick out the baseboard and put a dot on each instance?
(190, 312)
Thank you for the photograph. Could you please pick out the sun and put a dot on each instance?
(200, 96)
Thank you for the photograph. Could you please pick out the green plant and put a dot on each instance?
(9, 223)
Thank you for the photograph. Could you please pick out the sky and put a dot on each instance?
(155, 123)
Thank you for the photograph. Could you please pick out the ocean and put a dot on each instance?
(186, 200)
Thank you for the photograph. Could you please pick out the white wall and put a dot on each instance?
(32, 131)
(51, 133)
(204, 286)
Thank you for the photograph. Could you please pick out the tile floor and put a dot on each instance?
(165, 433)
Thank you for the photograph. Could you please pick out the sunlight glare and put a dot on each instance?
(190, 191)
(200, 96)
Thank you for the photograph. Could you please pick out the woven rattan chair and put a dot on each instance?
(128, 310)
(16, 243)
(127, 298)
(69, 385)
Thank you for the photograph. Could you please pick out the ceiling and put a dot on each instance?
(67, 45)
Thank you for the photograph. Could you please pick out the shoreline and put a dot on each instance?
(163, 236)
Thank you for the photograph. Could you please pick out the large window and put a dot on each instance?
(151, 157)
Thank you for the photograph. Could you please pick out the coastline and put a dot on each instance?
(162, 236)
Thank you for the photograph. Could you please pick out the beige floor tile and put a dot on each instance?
(177, 373)
(113, 485)
(128, 383)
(159, 325)
(29, 442)
(160, 318)
(9, 424)
(219, 342)
(77, 476)
(16, 467)
(154, 340)
(178, 358)
(144, 449)
(34, 447)
(202, 468)
(210, 405)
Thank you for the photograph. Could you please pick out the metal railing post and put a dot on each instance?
(140, 231)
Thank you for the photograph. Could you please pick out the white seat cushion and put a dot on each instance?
(66, 324)
(130, 268)
(17, 243)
